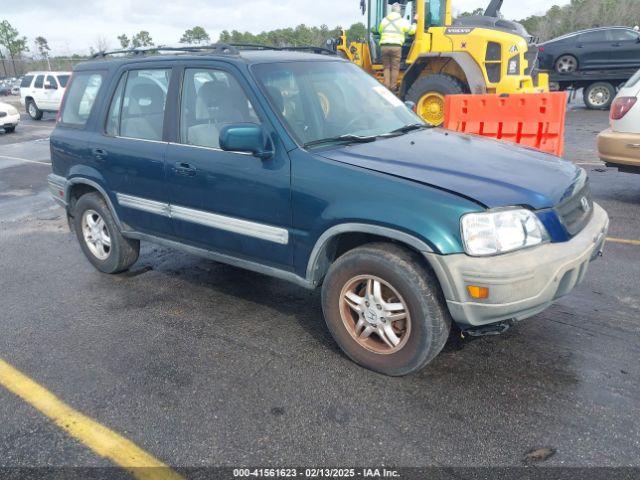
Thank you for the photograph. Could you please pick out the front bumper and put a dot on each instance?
(620, 149)
(523, 283)
(10, 120)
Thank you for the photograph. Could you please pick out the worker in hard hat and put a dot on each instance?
(393, 29)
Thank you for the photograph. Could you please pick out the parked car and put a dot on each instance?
(305, 168)
(42, 92)
(15, 90)
(593, 49)
(9, 117)
(5, 90)
(619, 145)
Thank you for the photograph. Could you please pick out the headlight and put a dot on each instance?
(492, 233)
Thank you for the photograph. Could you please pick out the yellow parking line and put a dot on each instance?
(625, 241)
(100, 439)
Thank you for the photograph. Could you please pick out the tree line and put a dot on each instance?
(581, 14)
(576, 15)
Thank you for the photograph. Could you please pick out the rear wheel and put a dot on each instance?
(428, 94)
(599, 95)
(385, 309)
(100, 238)
(33, 110)
(566, 64)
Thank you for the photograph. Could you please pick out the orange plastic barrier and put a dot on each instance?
(532, 119)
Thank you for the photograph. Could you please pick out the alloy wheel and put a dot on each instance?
(375, 314)
(566, 64)
(96, 234)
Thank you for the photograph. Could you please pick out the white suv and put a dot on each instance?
(42, 92)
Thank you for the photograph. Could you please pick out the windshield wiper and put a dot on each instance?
(342, 138)
(406, 129)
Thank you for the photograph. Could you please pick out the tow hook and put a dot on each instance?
(486, 330)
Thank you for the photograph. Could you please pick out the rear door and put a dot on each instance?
(129, 147)
(230, 202)
(625, 47)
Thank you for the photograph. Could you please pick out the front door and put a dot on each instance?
(233, 203)
(130, 149)
(625, 47)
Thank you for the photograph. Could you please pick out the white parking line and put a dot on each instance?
(23, 160)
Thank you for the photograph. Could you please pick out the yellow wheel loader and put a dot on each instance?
(475, 54)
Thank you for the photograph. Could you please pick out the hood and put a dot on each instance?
(492, 173)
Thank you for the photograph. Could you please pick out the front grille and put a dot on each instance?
(572, 212)
(531, 57)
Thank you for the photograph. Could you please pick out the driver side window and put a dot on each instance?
(210, 100)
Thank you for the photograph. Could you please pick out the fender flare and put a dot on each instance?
(473, 72)
(318, 260)
(86, 181)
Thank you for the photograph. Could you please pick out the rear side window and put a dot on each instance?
(26, 81)
(600, 36)
(80, 98)
(145, 97)
(39, 82)
(62, 80)
(113, 117)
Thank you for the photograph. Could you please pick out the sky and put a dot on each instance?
(73, 26)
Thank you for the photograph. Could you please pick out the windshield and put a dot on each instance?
(322, 100)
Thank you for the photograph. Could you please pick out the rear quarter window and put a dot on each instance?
(80, 98)
(26, 81)
(62, 80)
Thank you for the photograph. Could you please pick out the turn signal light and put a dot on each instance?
(480, 293)
(621, 106)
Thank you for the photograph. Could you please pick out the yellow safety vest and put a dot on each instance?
(393, 29)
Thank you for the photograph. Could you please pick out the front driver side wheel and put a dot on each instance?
(385, 309)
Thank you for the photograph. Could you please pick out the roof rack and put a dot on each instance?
(304, 48)
(218, 48)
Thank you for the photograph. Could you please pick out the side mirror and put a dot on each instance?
(246, 138)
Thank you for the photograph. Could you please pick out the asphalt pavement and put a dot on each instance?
(203, 364)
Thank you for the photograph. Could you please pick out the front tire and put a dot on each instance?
(33, 111)
(385, 309)
(599, 96)
(9, 129)
(99, 236)
(428, 94)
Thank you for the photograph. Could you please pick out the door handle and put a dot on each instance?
(184, 169)
(616, 44)
(99, 153)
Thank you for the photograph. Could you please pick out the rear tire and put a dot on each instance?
(362, 333)
(121, 253)
(33, 111)
(599, 96)
(566, 64)
(428, 94)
